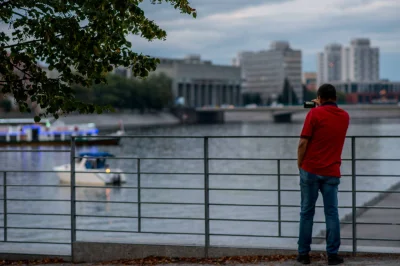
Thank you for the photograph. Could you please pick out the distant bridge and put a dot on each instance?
(280, 114)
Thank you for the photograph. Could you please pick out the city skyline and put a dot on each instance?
(222, 30)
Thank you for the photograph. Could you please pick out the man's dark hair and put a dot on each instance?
(327, 92)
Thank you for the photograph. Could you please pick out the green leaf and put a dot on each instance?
(52, 32)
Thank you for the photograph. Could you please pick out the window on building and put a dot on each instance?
(210, 94)
(203, 95)
(180, 90)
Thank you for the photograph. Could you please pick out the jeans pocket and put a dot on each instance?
(333, 180)
(306, 178)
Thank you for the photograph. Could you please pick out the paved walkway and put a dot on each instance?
(349, 261)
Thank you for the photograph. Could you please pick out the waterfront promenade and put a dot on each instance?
(278, 260)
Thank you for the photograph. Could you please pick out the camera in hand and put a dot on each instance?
(309, 104)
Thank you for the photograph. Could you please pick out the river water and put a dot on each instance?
(220, 170)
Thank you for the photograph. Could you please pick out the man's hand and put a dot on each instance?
(317, 102)
(301, 151)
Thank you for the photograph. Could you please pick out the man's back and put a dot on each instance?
(325, 127)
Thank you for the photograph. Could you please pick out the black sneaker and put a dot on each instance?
(335, 260)
(304, 259)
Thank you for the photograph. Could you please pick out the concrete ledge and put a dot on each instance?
(97, 252)
(100, 252)
(30, 257)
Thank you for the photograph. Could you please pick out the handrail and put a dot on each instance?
(141, 203)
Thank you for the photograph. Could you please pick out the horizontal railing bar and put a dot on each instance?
(142, 217)
(35, 150)
(102, 187)
(46, 200)
(378, 159)
(172, 203)
(243, 189)
(358, 175)
(225, 158)
(171, 173)
(241, 174)
(249, 159)
(105, 216)
(169, 188)
(102, 172)
(105, 231)
(378, 207)
(33, 242)
(37, 186)
(105, 201)
(45, 214)
(269, 236)
(34, 171)
(371, 223)
(229, 137)
(376, 191)
(266, 205)
(39, 228)
(215, 189)
(143, 158)
(378, 239)
(134, 202)
(141, 232)
(242, 205)
(265, 221)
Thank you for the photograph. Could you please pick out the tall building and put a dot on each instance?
(330, 64)
(201, 83)
(357, 63)
(363, 61)
(264, 72)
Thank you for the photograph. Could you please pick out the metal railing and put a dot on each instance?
(207, 203)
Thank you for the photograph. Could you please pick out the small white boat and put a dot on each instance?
(91, 169)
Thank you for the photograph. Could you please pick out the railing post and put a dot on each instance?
(73, 211)
(279, 198)
(353, 192)
(206, 200)
(139, 198)
(5, 205)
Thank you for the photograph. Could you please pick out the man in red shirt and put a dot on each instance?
(319, 159)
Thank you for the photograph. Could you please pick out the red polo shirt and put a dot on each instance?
(325, 127)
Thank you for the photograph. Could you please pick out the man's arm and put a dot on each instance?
(305, 136)
(301, 150)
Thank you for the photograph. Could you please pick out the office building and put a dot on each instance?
(330, 64)
(201, 83)
(363, 61)
(357, 63)
(264, 72)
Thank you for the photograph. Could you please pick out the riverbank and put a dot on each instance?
(111, 122)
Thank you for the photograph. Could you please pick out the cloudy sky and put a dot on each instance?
(224, 27)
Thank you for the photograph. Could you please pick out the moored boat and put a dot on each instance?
(91, 169)
(26, 132)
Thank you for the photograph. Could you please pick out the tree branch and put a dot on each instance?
(18, 14)
(32, 41)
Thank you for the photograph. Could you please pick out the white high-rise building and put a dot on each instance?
(264, 72)
(330, 64)
(357, 63)
(363, 61)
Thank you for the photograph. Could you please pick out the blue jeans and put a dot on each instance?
(310, 184)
